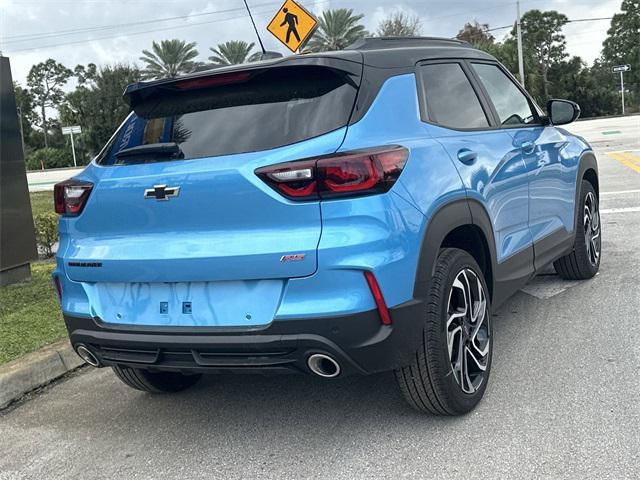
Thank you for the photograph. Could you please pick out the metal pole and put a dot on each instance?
(520, 56)
(73, 149)
(622, 89)
(21, 129)
(254, 27)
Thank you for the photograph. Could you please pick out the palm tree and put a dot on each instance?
(233, 52)
(169, 58)
(337, 29)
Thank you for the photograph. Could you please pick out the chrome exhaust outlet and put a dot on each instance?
(323, 365)
(87, 356)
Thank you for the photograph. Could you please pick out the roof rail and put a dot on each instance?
(377, 43)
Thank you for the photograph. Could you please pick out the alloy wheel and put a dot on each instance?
(592, 228)
(468, 331)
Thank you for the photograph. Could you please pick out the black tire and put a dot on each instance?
(155, 382)
(580, 264)
(429, 383)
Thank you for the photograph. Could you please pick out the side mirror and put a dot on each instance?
(561, 112)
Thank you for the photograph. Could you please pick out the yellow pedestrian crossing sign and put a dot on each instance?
(293, 25)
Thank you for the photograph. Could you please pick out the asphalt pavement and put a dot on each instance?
(563, 400)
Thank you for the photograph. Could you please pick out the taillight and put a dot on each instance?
(362, 172)
(213, 81)
(71, 195)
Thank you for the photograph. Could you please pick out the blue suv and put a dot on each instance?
(337, 213)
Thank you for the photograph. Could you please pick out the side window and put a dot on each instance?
(449, 97)
(511, 104)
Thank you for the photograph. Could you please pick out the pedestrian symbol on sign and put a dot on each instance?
(292, 25)
(291, 20)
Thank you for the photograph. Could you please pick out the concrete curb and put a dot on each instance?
(36, 369)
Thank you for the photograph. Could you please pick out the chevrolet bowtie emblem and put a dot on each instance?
(161, 192)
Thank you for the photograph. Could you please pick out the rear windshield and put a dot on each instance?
(273, 108)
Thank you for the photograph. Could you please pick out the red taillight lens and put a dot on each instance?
(70, 196)
(385, 318)
(362, 172)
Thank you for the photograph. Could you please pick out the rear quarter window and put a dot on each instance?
(450, 99)
(274, 108)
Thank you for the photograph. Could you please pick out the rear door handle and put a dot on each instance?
(467, 156)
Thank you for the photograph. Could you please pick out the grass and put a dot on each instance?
(41, 202)
(29, 314)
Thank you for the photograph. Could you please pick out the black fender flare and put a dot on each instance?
(588, 161)
(445, 219)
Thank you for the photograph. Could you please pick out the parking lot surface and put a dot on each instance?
(562, 402)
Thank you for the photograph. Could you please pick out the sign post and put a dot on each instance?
(621, 69)
(71, 131)
(293, 25)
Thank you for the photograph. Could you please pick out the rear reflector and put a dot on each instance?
(385, 318)
(70, 196)
(362, 172)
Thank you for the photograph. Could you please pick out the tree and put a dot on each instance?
(622, 45)
(97, 104)
(169, 58)
(399, 24)
(476, 34)
(26, 112)
(543, 40)
(46, 80)
(337, 29)
(233, 52)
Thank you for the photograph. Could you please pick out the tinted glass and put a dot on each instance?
(274, 108)
(450, 98)
(511, 104)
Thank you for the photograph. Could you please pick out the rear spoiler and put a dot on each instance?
(348, 62)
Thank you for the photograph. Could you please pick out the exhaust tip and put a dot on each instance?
(323, 365)
(87, 356)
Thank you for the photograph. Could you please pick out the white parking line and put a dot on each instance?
(620, 210)
(620, 192)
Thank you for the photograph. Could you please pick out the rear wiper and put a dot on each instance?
(170, 149)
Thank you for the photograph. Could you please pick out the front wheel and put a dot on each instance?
(450, 370)
(155, 382)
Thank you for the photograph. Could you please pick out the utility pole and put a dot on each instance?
(519, 35)
(21, 129)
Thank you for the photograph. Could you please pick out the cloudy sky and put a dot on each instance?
(108, 31)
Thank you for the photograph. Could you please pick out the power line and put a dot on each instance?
(57, 33)
(142, 32)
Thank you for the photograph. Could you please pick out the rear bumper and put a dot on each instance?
(359, 342)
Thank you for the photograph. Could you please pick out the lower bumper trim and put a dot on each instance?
(358, 342)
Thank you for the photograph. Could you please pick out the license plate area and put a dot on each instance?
(247, 303)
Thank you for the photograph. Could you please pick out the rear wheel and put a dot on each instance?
(450, 370)
(584, 261)
(155, 382)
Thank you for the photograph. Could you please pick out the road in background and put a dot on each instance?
(45, 180)
(562, 401)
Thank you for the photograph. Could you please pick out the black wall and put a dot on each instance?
(17, 237)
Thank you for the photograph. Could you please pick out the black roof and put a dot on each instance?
(398, 52)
